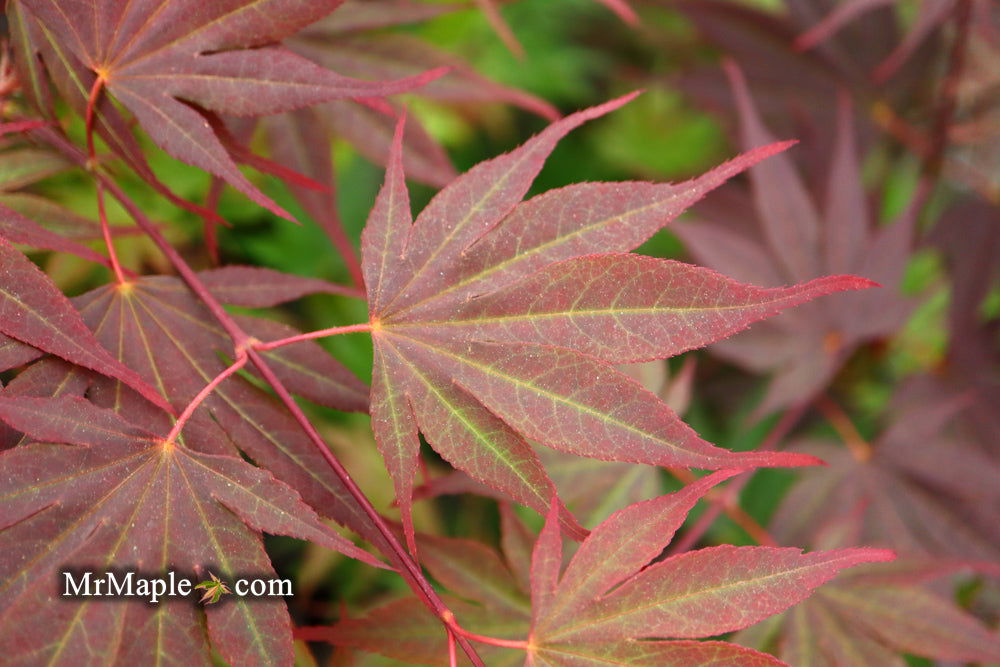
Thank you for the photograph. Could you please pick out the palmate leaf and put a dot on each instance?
(352, 40)
(603, 602)
(798, 235)
(160, 329)
(869, 615)
(899, 492)
(932, 14)
(160, 58)
(590, 488)
(108, 494)
(573, 619)
(494, 322)
(794, 87)
(157, 327)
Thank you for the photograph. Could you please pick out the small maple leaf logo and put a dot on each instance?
(214, 590)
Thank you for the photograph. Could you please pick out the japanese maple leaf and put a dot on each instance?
(871, 614)
(931, 15)
(496, 322)
(164, 60)
(796, 236)
(918, 487)
(158, 327)
(609, 599)
(94, 492)
(608, 602)
(488, 591)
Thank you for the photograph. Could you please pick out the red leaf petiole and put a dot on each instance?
(241, 361)
(321, 333)
(95, 93)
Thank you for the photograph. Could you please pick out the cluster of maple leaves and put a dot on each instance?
(150, 424)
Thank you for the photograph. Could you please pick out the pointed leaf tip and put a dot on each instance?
(844, 283)
(774, 148)
(397, 136)
(749, 460)
(425, 78)
(622, 10)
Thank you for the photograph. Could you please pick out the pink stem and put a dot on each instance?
(453, 626)
(203, 394)
(95, 92)
(322, 333)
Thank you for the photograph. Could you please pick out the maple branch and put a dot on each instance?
(322, 333)
(95, 92)
(409, 569)
(728, 497)
(241, 361)
(417, 580)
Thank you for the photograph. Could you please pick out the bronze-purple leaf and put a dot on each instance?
(795, 238)
(94, 490)
(484, 340)
(608, 600)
